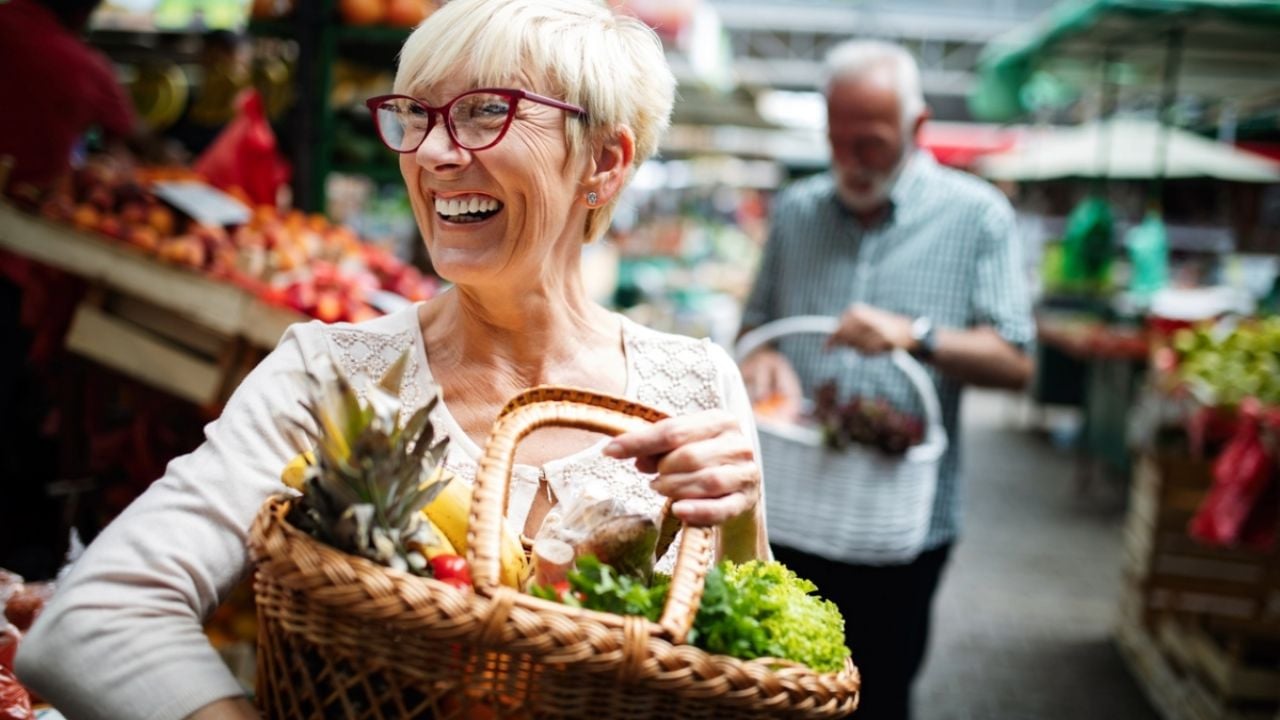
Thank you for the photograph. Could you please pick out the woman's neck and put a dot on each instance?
(533, 337)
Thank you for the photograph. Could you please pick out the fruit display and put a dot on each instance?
(1221, 365)
(396, 13)
(393, 13)
(290, 258)
(871, 422)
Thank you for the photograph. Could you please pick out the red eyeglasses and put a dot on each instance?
(475, 120)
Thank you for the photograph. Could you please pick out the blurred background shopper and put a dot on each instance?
(911, 256)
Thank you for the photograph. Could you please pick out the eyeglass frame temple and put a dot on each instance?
(373, 104)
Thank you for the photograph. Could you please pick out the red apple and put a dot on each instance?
(329, 307)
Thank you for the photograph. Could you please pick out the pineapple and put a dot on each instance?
(372, 476)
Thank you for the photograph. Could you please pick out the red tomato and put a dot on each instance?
(457, 583)
(566, 594)
(447, 567)
(23, 607)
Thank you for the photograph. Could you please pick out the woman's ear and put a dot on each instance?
(611, 163)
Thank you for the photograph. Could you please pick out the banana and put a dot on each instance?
(441, 546)
(449, 512)
(296, 470)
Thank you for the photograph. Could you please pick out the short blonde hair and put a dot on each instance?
(610, 64)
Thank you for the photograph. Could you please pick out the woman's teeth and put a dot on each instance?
(468, 209)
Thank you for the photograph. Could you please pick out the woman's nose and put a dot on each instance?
(438, 151)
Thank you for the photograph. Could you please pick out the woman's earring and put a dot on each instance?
(592, 199)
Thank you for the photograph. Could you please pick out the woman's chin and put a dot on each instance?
(463, 267)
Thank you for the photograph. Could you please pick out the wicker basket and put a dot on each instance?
(343, 637)
(880, 503)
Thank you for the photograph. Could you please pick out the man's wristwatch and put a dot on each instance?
(922, 334)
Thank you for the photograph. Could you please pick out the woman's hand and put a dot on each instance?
(703, 461)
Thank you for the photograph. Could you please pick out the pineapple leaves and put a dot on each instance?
(393, 378)
(373, 474)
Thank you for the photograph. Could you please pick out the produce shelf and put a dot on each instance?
(214, 304)
(191, 336)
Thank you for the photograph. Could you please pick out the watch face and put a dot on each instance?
(922, 333)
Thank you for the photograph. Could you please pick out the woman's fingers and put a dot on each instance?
(708, 482)
(712, 511)
(702, 461)
(667, 435)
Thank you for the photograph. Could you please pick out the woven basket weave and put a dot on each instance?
(873, 508)
(342, 637)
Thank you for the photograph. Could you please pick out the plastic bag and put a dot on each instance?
(15, 702)
(244, 154)
(1234, 510)
(1148, 246)
(1087, 242)
(598, 526)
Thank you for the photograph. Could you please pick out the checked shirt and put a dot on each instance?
(948, 250)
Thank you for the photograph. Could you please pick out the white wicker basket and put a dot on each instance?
(857, 504)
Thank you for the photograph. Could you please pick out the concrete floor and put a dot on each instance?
(1022, 622)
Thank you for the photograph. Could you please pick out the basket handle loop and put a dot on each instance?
(567, 407)
(935, 435)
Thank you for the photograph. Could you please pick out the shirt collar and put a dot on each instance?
(918, 165)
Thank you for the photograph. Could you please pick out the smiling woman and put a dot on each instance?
(547, 107)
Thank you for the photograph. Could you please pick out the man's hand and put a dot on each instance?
(773, 384)
(872, 331)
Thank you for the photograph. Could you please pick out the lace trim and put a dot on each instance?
(367, 356)
(676, 375)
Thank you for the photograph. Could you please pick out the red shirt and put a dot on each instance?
(53, 88)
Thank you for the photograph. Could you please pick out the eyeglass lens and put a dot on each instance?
(475, 120)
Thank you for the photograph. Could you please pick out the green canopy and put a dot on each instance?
(1230, 49)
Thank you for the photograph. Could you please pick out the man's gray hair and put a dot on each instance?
(856, 58)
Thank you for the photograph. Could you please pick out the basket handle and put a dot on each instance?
(935, 438)
(568, 407)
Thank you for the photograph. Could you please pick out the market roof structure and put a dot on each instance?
(1124, 149)
(1227, 50)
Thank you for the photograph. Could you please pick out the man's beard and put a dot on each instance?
(881, 185)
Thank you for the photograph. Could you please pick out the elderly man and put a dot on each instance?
(910, 255)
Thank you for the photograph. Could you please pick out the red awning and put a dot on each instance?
(1265, 149)
(959, 144)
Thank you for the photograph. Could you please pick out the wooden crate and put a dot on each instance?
(173, 328)
(1175, 573)
(1190, 674)
(1148, 665)
(1231, 666)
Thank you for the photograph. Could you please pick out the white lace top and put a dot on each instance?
(672, 373)
(122, 638)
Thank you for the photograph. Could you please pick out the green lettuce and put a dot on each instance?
(763, 609)
(751, 610)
